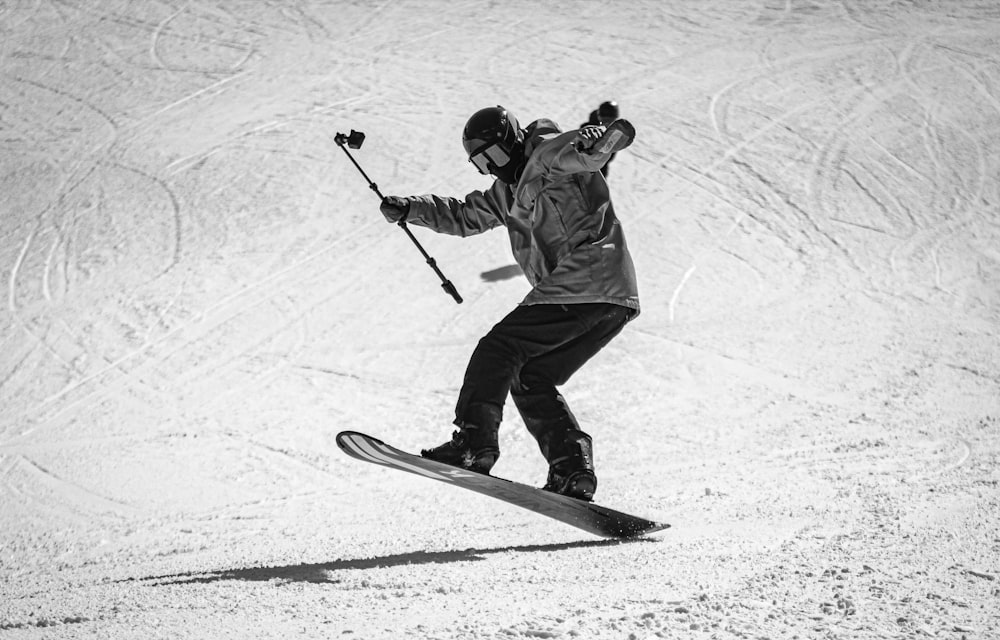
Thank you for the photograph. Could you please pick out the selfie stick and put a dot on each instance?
(354, 140)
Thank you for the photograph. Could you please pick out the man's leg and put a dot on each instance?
(544, 410)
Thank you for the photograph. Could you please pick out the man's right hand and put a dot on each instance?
(395, 208)
(587, 136)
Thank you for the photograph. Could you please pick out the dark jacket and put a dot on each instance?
(562, 226)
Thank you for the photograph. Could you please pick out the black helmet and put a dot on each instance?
(494, 143)
(608, 112)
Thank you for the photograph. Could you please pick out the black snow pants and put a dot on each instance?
(528, 354)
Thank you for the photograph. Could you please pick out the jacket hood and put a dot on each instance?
(535, 132)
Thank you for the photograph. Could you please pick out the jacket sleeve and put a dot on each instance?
(480, 211)
(559, 156)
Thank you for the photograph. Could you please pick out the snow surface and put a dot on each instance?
(200, 293)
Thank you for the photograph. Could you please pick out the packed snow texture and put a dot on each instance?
(200, 292)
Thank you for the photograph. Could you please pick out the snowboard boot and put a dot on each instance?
(571, 469)
(471, 447)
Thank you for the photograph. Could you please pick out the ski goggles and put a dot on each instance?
(489, 154)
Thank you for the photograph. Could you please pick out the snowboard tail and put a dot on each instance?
(587, 516)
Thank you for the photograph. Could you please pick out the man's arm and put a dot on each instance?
(480, 211)
(586, 149)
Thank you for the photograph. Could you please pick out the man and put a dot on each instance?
(550, 195)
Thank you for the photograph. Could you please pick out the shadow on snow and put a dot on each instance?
(321, 571)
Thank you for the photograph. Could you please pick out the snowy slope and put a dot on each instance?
(200, 292)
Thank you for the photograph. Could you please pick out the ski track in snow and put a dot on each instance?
(201, 293)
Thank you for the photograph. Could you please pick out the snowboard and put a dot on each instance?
(587, 516)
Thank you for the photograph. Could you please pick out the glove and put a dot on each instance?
(395, 208)
(587, 136)
(619, 135)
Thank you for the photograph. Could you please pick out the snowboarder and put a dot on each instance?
(606, 113)
(549, 194)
